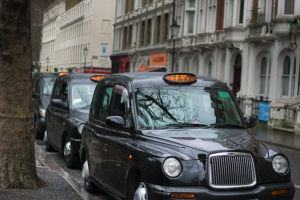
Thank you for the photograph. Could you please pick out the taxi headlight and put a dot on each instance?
(172, 167)
(42, 112)
(280, 164)
(80, 128)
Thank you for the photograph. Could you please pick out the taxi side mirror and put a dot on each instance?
(250, 121)
(115, 121)
(59, 103)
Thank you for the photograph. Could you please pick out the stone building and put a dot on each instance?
(79, 38)
(252, 45)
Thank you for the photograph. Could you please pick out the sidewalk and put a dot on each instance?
(276, 137)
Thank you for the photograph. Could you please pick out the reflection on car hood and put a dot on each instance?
(80, 115)
(210, 140)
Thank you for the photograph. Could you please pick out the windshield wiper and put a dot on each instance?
(227, 125)
(187, 125)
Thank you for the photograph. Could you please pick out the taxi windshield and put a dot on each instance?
(48, 85)
(82, 94)
(189, 106)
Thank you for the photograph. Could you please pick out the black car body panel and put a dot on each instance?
(41, 99)
(119, 156)
(63, 119)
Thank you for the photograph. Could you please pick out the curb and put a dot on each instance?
(277, 144)
(52, 166)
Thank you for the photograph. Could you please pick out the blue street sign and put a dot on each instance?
(264, 111)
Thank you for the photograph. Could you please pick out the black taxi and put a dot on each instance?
(41, 94)
(176, 136)
(67, 112)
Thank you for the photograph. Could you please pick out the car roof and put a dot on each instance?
(152, 79)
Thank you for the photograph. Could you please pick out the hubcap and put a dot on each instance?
(67, 149)
(141, 192)
(85, 172)
(45, 136)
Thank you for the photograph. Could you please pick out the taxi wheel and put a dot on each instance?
(70, 159)
(89, 186)
(141, 192)
(37, 134)
(48, 146)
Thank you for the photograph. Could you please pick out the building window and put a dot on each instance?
(166, 26)
(286, 76)
(158, 28)
(209, 68)
(186, 65)
(149, 31)
(263, 76)
(191, 16)
(142, 34)
(289, 7)
(212, 15)
(241, 18)
(192, 3)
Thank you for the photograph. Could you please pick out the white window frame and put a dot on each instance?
(267, 76)
(187, 11)
(211, 16)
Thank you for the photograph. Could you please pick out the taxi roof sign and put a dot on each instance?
(180, 78)
(97, 78)
(63, 73)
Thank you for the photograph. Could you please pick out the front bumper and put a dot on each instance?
(261, 192)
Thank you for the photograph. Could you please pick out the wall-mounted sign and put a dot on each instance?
(264, 111)
(158, 59)
(104, 52)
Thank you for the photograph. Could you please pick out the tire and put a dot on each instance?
(136, 189)
(48, 146)
(71, 161)
(37, 134)
(89, 185)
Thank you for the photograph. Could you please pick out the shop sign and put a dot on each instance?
(104, 52)
(158, 59)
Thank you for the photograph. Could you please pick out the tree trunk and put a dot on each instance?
(17, 157)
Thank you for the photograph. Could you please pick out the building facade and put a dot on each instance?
(85, 26)
(252, 45)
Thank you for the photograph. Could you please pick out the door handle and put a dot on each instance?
(105, 147)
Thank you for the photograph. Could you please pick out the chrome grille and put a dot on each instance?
(231, 170)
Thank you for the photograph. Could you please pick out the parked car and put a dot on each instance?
(176, 136)
(67, 113)
(42, 89)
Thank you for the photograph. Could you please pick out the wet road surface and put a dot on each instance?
(73, 176)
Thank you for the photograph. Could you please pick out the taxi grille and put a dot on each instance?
(231, 170)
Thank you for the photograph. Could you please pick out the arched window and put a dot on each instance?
(176, 67)
(286, 76)
(209, 68)
(263, 76)
(195, 65)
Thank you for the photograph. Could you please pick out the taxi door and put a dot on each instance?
(51, 119)
(96, 129)
(115, 158)
(60, 115)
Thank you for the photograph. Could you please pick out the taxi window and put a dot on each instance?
(121, 103)
(57, 90)
(82, 95)
(48, 83)
(166, 106)
(64, 93)
(105, 103)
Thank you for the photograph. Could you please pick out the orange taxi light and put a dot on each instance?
(180, 78)
(97, 78)
(279, 192)
(183, 196)
(63, 73)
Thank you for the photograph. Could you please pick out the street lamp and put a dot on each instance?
(85, 53)
(47, 60)
(174, 32)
